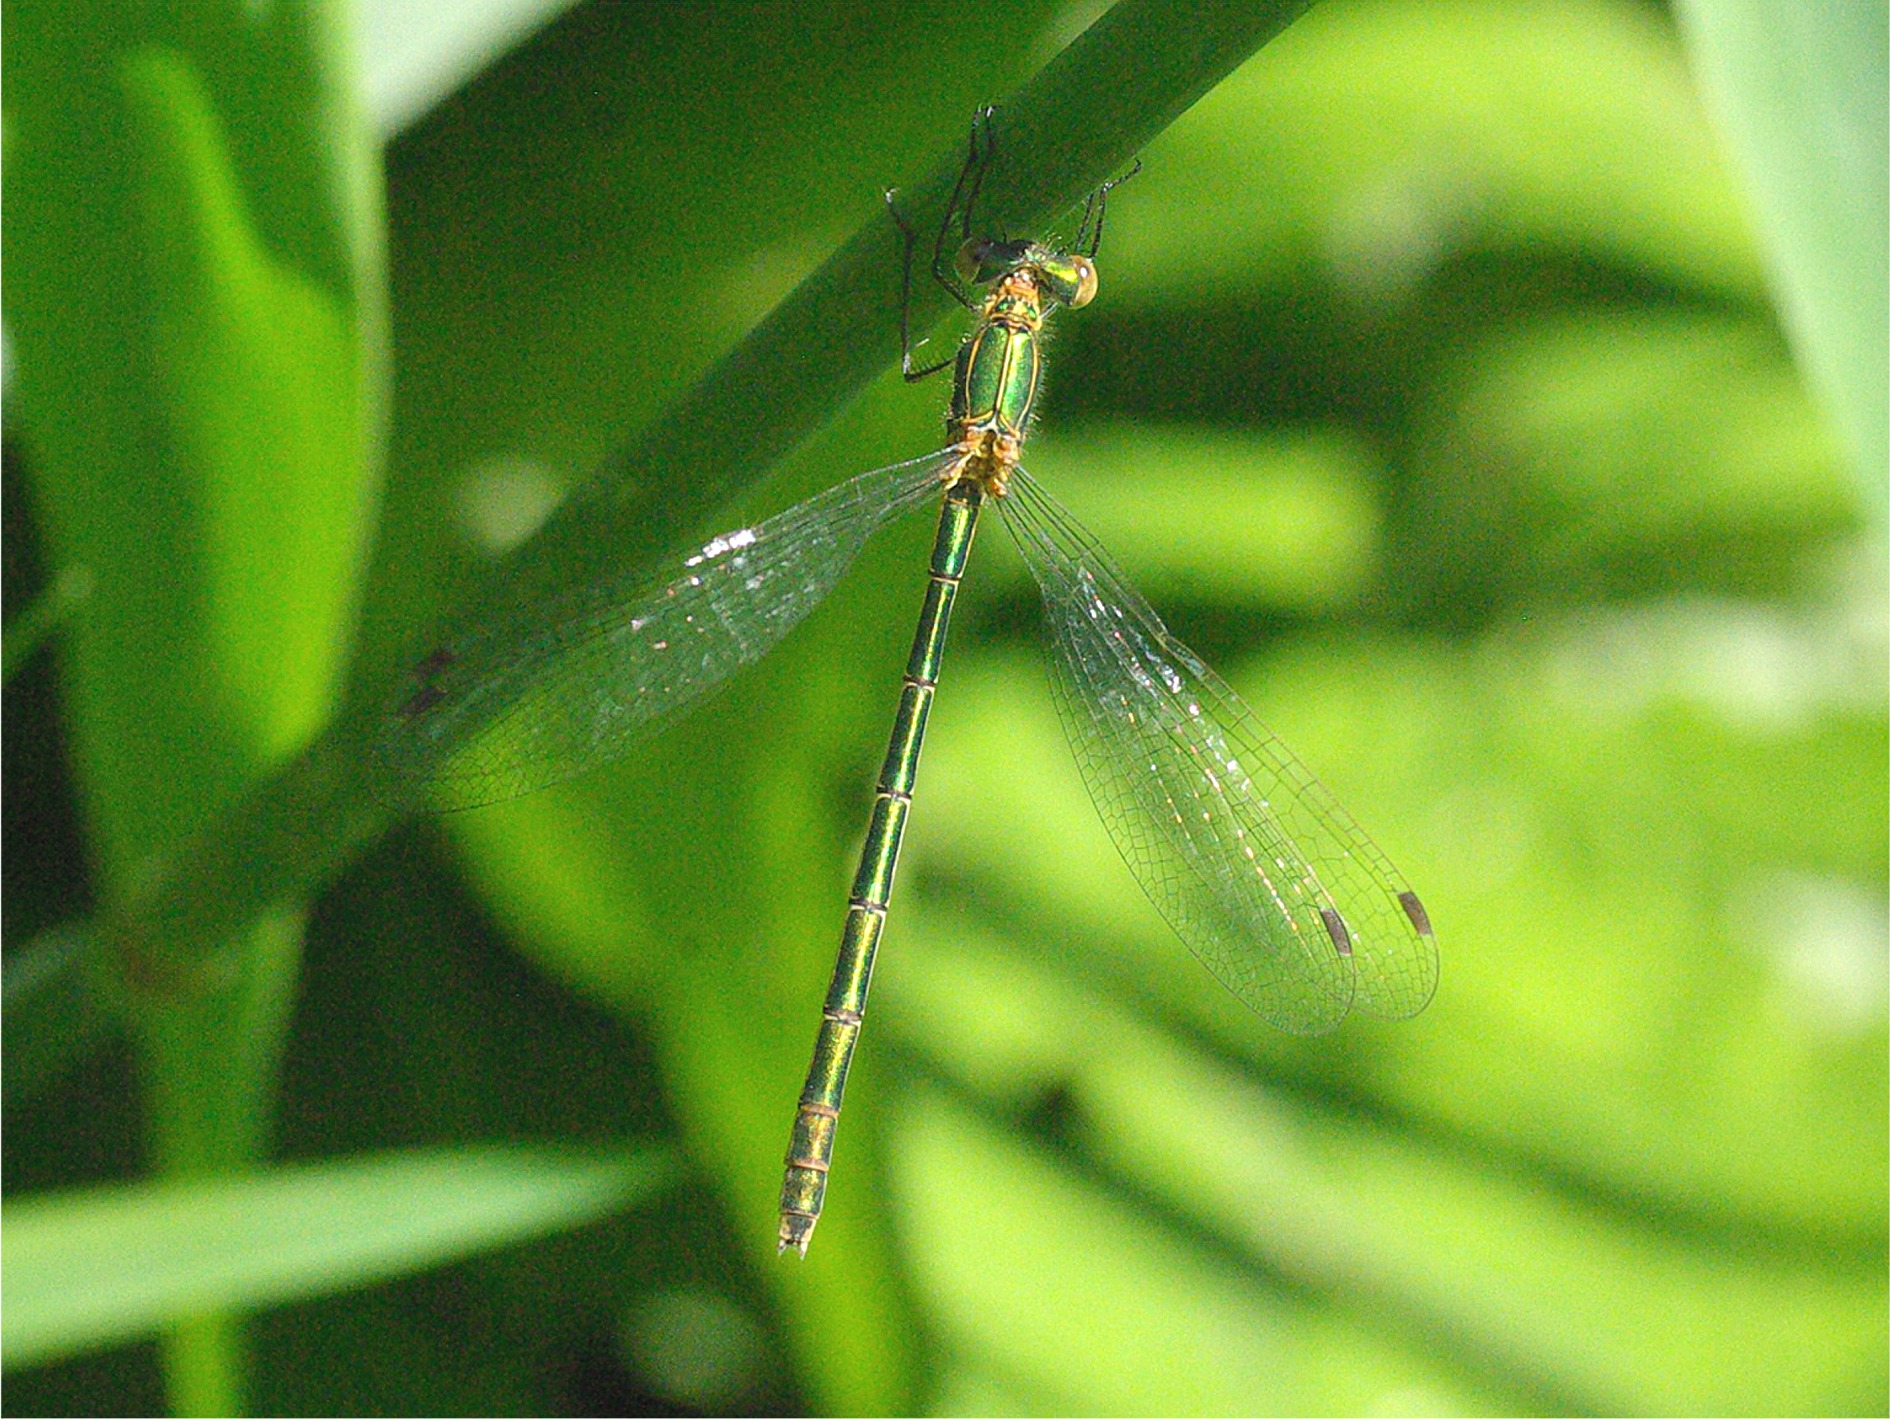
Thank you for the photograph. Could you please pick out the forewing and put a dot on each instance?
(490, 716)
(1265, 877)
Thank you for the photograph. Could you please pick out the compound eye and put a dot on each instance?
(1084, 291)
(1071, 279)
(973, 262)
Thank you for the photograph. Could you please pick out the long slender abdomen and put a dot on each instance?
(810, 1147)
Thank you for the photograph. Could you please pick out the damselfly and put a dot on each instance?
(1255, 866)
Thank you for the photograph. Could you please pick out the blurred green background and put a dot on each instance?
(1437, 392)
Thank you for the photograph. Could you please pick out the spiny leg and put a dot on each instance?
(964, 196)
(1095, 207)
(912, 375)
(963, 199)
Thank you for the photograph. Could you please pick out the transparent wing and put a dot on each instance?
(491, 715)
(1265, 877)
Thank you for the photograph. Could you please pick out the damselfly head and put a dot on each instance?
(1069, 278)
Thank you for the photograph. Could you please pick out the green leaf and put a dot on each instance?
(91, 1268)
(257, 379)
(1798, 90)
(196, 314)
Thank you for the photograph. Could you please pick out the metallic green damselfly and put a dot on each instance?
(1264, 876)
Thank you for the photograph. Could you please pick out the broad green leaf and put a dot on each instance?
(201, 401)
(257, 376)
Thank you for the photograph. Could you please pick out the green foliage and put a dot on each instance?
(196, 298)
(1433, 390)
(107, 1263)
(1795, 90)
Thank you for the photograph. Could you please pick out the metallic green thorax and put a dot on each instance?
(995, 382)
(810, 1150)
